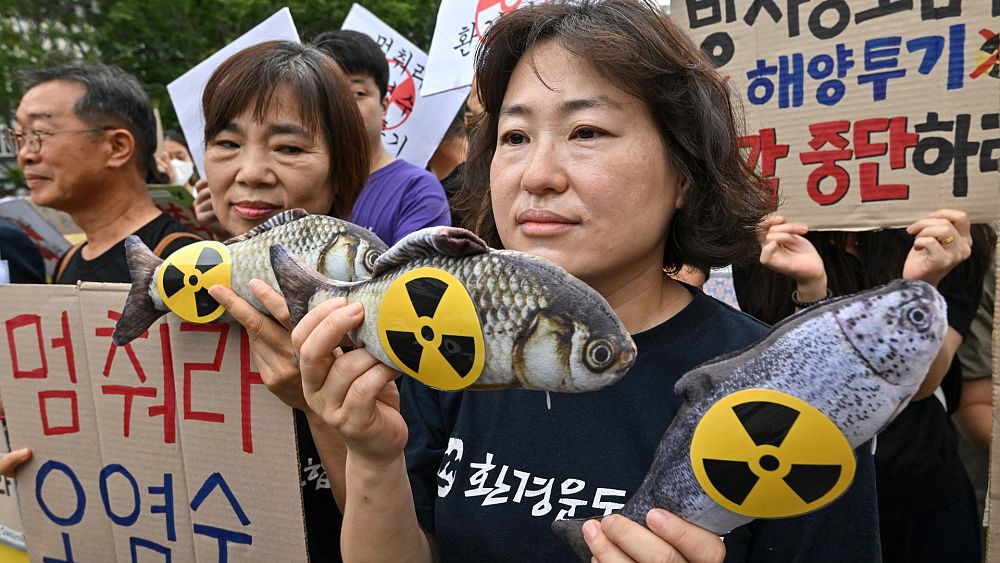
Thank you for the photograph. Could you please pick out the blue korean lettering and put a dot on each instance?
(81, 499)
(136, 543)
(129, 519)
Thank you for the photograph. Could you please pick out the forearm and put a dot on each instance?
(940, 365)
(975, 415)
(380, 521)
(333, 453)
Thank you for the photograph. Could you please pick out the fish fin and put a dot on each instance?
(432, 241)
(697, 383)
(298, 282)
(139, 312)
(287, 216)
(570, 531)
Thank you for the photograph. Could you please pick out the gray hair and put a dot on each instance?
(112, 94)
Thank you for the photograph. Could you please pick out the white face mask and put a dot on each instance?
(182, 171)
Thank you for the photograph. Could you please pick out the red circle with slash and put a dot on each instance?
(490, 6)
(402, 97)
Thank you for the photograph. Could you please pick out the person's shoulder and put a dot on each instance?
(725, 317)
(165, 234)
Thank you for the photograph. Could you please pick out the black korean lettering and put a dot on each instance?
(930, 11)
(709, 12)
(767, 5)
(719, 48)
(948, 153)
(793, 16)
(884, 8)
(823, 31)
(988, 162)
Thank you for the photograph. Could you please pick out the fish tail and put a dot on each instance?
(570, 531)
(299, 282)
(139, 312)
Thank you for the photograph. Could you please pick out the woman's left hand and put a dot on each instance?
(942, 242)
(270, 339)
(668, 539)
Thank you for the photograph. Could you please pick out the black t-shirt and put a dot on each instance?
(24, 262)
(322, 517)
(917, 466)
(112, 267)
(491, 470)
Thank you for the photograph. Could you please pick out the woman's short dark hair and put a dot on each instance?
(271, 73)
(638, 49)
(112, 95)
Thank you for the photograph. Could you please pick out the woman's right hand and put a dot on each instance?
(9, 462)
(204, 212)
(352, 392)
(786, 250)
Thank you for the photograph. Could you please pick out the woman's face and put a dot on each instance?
(256, 169)
(581, 175)
(176, 151)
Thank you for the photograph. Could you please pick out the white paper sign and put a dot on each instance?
(186, 91)
(414, 124)
(460, 27)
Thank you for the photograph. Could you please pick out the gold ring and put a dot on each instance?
(949, 240)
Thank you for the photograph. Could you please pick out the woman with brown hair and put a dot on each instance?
(282, 131)
(608, 146)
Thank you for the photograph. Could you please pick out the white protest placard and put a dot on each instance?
(414, 123)
(186, 91)
(863, 114)
(460, 27)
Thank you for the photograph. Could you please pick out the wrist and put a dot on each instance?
(812, 290)
(801, 303)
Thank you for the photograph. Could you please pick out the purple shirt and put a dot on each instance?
(398, 199)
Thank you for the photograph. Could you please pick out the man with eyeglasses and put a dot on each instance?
(85, 139)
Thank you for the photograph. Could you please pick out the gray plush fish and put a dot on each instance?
(446, 309)
(180, 283)
(768, 432)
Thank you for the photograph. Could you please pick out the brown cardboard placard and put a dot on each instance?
(992, 518)
(864, 114)
(165, 450)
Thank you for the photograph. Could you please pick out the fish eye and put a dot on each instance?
(918, 317)
(370, 257)
(599, 354)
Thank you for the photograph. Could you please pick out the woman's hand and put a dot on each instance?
(205, 214)
(164, 167)
(352, 392)
(9, 462)
(270, 339)
(786, 250)
(668, 539)
(942, 242)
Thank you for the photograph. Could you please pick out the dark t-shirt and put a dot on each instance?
(112, 267)
(490, 471)
(24, 262)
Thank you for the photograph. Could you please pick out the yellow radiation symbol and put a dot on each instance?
(765, 454)
(429, 327)
(186, 275)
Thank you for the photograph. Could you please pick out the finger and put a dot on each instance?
(638, 542)
(695, 544)
(921, 224)
(9, 462)
(315, 354)
(767, 253)
(795, 228)
(783, 239)
(241, 310)
(367, 386)
(309, 322)
(774, 220)
(601, 547)
(201, 186)
(958, 218)
(273, 301)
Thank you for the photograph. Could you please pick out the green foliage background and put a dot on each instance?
(158, 40)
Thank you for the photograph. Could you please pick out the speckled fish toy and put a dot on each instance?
(180, 283)
(769, 432)
(454, 314)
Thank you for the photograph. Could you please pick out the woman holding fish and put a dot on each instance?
(608, 147)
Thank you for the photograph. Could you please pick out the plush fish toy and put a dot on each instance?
(449, 311)
(180, 283)
(769, 432)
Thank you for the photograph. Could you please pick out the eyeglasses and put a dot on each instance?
(32, 140)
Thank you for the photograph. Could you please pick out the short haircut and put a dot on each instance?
(112, 95)
(175, 136)
(634, 46)
(265, 76)
(356, 53)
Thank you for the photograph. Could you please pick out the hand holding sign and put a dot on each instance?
(942, 242)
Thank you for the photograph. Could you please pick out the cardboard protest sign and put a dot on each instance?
(863, 114)
(186, 91)
(151, 451)
(414, 123)
(460, 27)
(11, 525)
(177, 202)
(50, 243)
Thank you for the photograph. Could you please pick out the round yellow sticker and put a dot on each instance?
(186, 275)
(766, 454)
(429, 327)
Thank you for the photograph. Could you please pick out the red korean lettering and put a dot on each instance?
(829, 132)
(23, 321)
(248, 378)
(214, 366)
